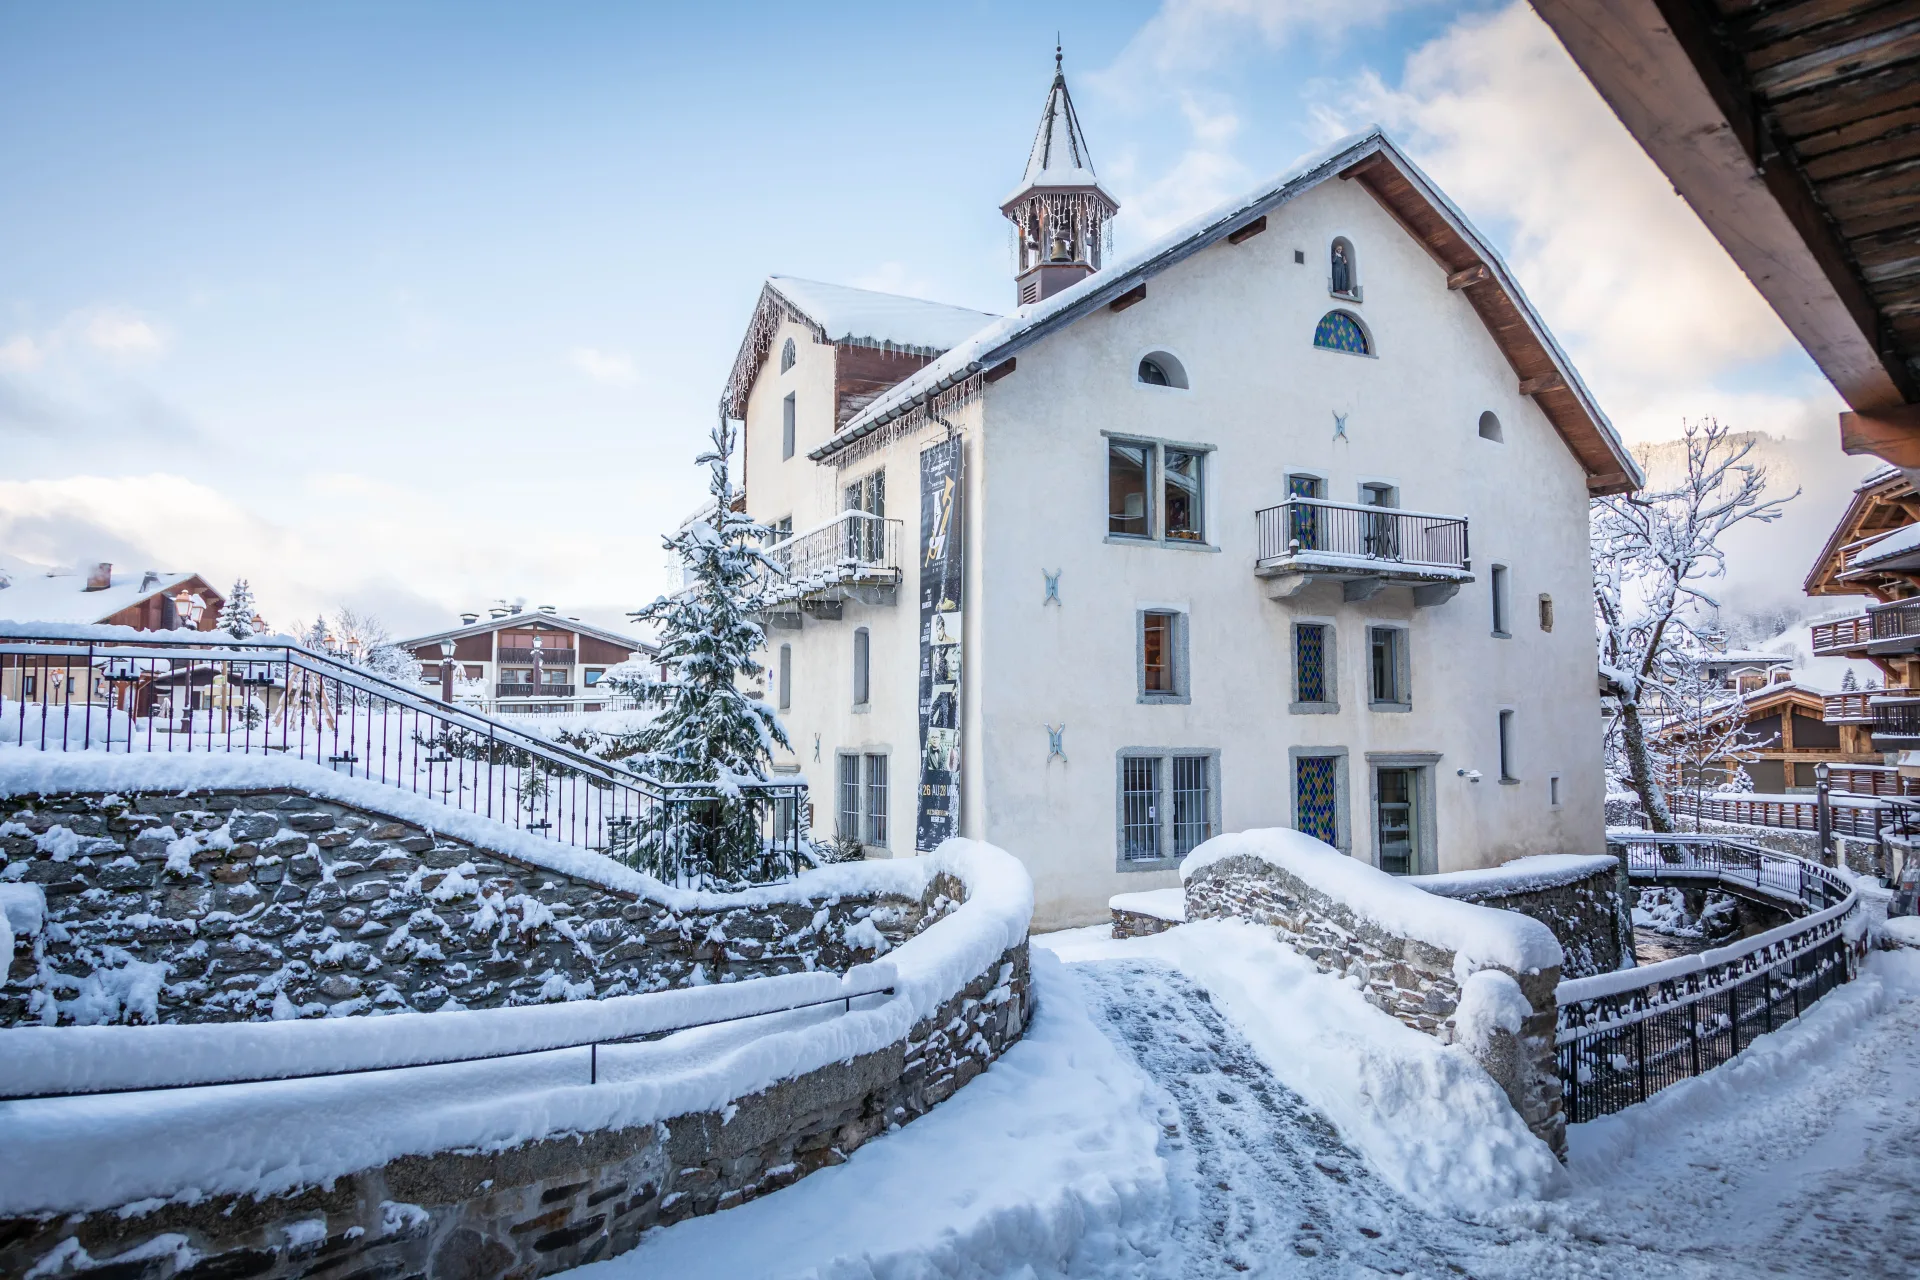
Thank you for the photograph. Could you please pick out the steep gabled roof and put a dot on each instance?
(1371, 159)
(1882, 503)
(1059, 157)
(35, 593)
(845, 316)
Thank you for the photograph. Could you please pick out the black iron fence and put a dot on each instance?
(208, 694)
(1623, 1037)
(1303, 526)
(1895, 621)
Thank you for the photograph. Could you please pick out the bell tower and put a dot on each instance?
(1060, 212)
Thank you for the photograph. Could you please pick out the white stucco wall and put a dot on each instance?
(1241, 319)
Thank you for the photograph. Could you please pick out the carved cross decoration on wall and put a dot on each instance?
(1053, 587)
(1339, 425)
(816, 748)
(1054, 748)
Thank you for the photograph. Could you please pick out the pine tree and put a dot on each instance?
(1849, 682)
(709, 733)
(237, 616)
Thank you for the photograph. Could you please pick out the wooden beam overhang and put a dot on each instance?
(1136, 294)
(1249, 231)
(1790, 128)
(1478, 273)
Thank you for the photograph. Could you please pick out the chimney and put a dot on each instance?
(100, 577)
(149, 580)
(513, 609)
(468, 619)
(497, 611)
(548, 609)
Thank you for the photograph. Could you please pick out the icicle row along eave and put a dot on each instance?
(921, 415)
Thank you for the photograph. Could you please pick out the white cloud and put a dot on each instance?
(1206, 173)
(121, 333)
(612, 367)
(21, 353)
(1187, 36)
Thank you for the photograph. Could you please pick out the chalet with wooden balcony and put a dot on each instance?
(525, 662)
(1792, 732)
(1874, 551)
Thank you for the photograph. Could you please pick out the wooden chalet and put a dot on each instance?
(1788, 723)
(1874, 551)
(1789, 126)
(519, 662)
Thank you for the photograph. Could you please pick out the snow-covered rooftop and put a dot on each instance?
(1886, 547)
(869, 318)
(1059, 157)
(35, 593)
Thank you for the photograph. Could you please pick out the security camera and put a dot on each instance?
(1471, 775)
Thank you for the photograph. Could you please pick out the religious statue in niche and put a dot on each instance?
(1342, 269)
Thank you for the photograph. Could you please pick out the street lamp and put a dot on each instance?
(446, 671)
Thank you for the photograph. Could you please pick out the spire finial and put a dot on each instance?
(1056, 53)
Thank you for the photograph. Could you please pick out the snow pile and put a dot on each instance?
(73, 726)
(1046, 1166)
(1903, 931)
(23, 910)
(1478, 936)
(98, 1152)
(1161, 904)
(1491, 1002)
(1426, 1116)
(1521, 875)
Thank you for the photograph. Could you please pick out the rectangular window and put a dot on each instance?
(1140, 808)
(592, 676)
(848, 827)
(877, 801)
(785, 675)
(1553, 790)
(860, 667)
(1127, 508)
(1310, 662)
(868, 496)
(1181, 471)
(1316, 798)
(31, 680)
(1497, 580)
(786, 427)
(1394, 817)
(1192, 804)
(1156, 653)
(1380, 534)
(1506, 747)
(1387, 652)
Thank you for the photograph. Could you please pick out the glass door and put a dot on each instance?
(1394, 818)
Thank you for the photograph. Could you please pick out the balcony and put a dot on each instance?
(513, 656)
(1848, 635)
(1884, 630)
(1365, 549)
(854, 556)
(1896, 714)
(527, 689)
(1848, 708)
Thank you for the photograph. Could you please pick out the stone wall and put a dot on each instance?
(237, 906)
(1588, 915)
(545, 1206)
(1138, 924)
(1412, 980)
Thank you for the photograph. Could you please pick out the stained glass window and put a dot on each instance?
(1316, 797)
(1339, 331)
(1310, 662)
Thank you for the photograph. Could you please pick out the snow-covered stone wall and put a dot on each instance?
(1579, 897)
(1410, 953)
(222, 906)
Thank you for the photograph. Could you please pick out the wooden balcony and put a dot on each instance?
(1365, 549)
(854, 556)
(1896, 715)
(1849, 708)
(516, 656)
(529, 690)
(1837, 639)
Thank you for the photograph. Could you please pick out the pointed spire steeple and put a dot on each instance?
(1060, 211)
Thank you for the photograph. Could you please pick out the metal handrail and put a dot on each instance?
(203, 694)
(1300, 527)
(852, 547)
(1622, 1036)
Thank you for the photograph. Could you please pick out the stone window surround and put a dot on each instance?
(1405, 663)
(1162, 802)
(1329, 655)
(1343, 795)
(1182, 667)
(1156, 495)
(1427, 836)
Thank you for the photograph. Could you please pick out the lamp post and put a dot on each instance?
(537, 678)
(446, 671)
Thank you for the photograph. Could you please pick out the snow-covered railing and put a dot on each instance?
(1309, 528)
(1626, 1035)
(1860, 816)
(118, 690)
(852, 549)
(1841, 635)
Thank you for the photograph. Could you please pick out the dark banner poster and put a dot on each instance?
(942, 576)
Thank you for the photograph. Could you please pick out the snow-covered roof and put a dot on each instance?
(35, 593)
(997, 341)
(864, 317)
(524, 619)
(1059, 157)
(1887, 546)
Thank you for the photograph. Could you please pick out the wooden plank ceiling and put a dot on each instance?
(1533, 363)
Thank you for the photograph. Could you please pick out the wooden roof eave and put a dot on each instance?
(771, 307)
(1510, 319)
(1827, 576)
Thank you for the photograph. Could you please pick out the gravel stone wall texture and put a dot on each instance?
(233, 907)
(1411, 980)
(1138, 924)
(1588, 916)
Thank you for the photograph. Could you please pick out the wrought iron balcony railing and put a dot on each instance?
(1338, 534)
(1896, 719)
(519, 656)
(853, 549)
(531, 690)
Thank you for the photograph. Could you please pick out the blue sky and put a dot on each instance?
(414, 307)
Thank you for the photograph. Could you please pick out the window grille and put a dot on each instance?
(1139, 808)
(848, 827)
(877, 800)
(1192, 810)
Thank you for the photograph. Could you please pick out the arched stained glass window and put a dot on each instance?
(1339, 331)
(786, 356)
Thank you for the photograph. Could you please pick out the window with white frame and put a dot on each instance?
(862, 798)
(1156, 491)
(1168, 803)
(1387, 667)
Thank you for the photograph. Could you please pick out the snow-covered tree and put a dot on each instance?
(1849, 682)
(1702, 743)
(237, 615)
(1654, 553)
(709, 732)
